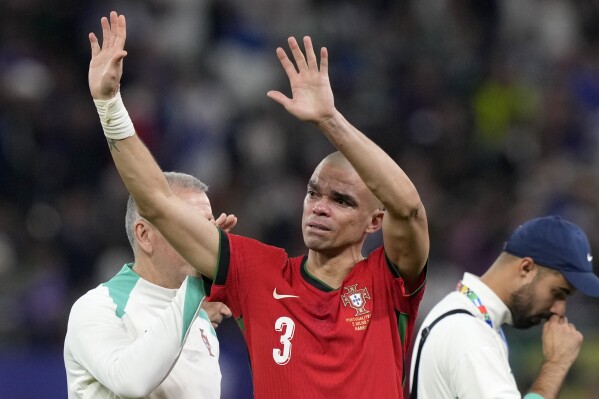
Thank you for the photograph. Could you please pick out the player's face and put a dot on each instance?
(338, 209)
(537, 301)
(166, 254)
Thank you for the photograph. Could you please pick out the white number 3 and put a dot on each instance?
(286, 325)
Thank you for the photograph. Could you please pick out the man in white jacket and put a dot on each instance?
(460, 350)
(144, 333)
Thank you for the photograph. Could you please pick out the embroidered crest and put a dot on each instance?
(356, 298)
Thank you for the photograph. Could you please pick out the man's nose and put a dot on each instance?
(321, 207)
(559, 307)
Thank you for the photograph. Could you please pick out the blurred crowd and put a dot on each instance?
(491, 107)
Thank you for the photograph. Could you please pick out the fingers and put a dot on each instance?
(298, 56)
(121, 32)
(95, 46)
(225, 311)
(324, 61)
(288, 66)
(114, 21)
(105, 32)
(225, 222)
(114, 31)
(310, 56)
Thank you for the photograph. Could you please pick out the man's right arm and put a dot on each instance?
(561, 345)
(195, 238)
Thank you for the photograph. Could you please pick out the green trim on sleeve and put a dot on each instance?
(394, 269)
(194, 294)
(204, 316)
(240, 324)
(120, 287)
(424, 274)
(532, 395)
(402, 326)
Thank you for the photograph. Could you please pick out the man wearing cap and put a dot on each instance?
(460, 350)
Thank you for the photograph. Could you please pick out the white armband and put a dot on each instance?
(114, 117)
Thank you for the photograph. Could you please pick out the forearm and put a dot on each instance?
(141, 174)
(189, 232)
(387, 181)
(550, 379)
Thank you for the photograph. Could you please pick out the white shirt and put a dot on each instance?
(131, 338)
(463, 356)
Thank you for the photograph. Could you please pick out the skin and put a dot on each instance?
(331, 255)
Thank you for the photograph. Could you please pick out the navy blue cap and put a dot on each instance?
(553, 242)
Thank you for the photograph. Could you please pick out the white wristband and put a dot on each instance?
(114, 117)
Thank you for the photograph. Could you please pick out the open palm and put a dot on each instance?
(106, 65)
(312, 98)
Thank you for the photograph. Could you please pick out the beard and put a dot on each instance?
(521, 304)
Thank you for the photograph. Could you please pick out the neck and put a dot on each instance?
(331, 270)
(496, 281)
(150, 272)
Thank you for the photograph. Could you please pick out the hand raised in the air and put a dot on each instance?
(312, 98)
(106, 65)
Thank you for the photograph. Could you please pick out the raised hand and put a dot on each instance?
(106, 65)
(312, 98)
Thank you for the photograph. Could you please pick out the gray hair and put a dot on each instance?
(177, 182)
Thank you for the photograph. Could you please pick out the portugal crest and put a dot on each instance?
(356, 298)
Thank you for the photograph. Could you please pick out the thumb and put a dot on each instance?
(119, 56)
(279, 97)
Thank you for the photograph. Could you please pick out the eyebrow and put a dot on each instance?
(335, 194)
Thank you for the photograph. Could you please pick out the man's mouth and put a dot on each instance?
(318, 226)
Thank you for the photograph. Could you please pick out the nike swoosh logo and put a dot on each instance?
(589, 257)
(281, 296)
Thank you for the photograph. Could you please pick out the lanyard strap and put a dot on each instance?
(475, 299)
(423, 336)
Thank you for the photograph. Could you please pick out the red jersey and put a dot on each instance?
(307, 340)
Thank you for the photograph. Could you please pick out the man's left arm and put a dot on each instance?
(405, 227)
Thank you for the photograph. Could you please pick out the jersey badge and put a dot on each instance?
(356, 298)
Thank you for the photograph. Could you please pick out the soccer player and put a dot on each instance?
(461, 352)
(143, 332)
(332, 323)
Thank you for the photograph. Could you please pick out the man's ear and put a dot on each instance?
(142, 232)
(376, 221)
(527, 269)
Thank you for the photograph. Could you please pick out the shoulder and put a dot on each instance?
(90, 304)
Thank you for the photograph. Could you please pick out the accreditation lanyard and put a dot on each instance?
(475, 299)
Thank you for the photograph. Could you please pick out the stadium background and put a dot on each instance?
(492, 107)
